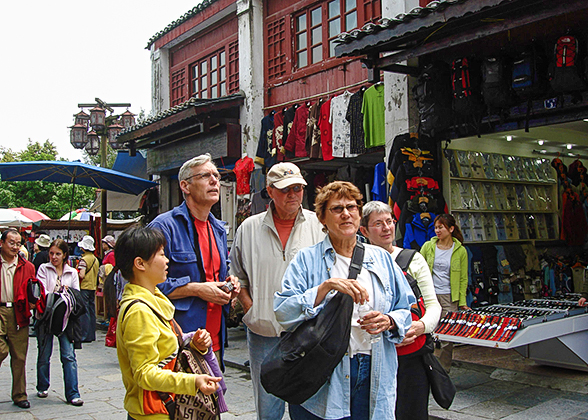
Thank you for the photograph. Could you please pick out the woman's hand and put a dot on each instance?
(201, 340)
(582, 301)
(349, 287)
(416, 329)
(375, 322)
(465, 308)
(207, 384)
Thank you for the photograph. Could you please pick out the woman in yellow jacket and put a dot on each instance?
(146, 346)
(448, 262)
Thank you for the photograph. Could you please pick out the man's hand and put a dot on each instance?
(210, 291)
(245, 299)
(236, 286)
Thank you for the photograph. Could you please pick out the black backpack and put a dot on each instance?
(465, 84)
(495, 84)
(433, 95)
(566, 67)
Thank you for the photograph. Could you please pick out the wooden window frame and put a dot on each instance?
(178, 87)
(209, 70)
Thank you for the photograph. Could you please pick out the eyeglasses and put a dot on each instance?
(295, 188)
(380, 224)
(205, 176)
(351, 208)
(12, 244)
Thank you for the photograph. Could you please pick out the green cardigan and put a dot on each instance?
(458, 277)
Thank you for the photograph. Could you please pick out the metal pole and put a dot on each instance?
(103, 195)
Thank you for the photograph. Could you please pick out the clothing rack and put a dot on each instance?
(318, 95)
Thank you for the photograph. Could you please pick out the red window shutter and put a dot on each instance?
(276, 44)
(178, 87)
(233, 86)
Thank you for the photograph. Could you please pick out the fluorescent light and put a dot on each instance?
(508, 138)
(569, 146)
(540, 142)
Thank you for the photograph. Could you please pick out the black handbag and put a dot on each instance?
(442, 387)
(304, 359)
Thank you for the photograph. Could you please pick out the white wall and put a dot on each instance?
(251, 64)
(160, 82)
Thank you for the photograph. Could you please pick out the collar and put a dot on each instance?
(268, 219)
(9, 265)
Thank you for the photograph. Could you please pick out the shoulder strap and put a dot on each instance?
(404, 258)
(356, 260)
(145, 303)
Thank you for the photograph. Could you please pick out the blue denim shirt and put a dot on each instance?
(184, 265)
(392, 295)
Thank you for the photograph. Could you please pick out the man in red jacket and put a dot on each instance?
(14, 327)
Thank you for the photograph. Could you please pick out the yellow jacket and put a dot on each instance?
(147, 350)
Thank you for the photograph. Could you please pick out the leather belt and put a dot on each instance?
(7, 304)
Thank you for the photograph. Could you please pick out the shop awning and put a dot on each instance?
(448, 24)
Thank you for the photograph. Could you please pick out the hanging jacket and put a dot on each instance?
(24, 271)
(416, 233)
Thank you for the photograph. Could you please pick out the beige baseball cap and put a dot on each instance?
(284, 174)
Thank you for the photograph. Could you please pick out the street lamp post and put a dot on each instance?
(102, 131)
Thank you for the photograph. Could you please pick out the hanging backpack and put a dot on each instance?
(433, 95)
(528, 74)
(565, 70)
(467, 104)
(423, 343)
(495, 84)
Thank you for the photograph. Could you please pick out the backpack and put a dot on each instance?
(425, 341)
(528, 74)
(54, 316)
(565, 70)
(495, 84)
(465, 84)
(433, 95)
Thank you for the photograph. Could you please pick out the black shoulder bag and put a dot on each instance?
(304, 359)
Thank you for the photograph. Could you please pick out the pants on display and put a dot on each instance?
(445, 353)
(360, 365)
(68, 362)
(88, 320)
(14, 341)
(412, 390)
(268, 406)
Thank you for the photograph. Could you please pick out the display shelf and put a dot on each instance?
(503, 181)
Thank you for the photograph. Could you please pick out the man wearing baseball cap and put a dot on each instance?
(263, 247)
(88, 271)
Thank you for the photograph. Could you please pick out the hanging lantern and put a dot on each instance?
(97, 118)
(78, 136)
(113, 130)
(128, 119)
(93, 145)
(82, 119)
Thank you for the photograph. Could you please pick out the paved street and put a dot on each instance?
(491, 385)
(101, 388)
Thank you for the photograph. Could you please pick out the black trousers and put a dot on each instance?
(412, 393)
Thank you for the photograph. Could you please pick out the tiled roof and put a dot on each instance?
(192, 12)
(406, 23)
(192, 102)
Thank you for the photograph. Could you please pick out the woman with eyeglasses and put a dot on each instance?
(363, 385)
(412, 402)
(448, 261)
(57, 275)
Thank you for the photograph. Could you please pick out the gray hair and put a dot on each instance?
(185, 170)
(373, 207)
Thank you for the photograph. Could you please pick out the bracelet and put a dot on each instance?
(392, 324)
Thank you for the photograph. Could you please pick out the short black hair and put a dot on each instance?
(136, 242)
(7, 231)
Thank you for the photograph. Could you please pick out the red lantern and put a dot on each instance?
(113, 130)
(78, 136)
(93, 145)
(128, 119)
(97, 118)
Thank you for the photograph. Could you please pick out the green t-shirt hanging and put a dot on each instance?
(373, 116)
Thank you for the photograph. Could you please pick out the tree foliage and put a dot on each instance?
(51, 198)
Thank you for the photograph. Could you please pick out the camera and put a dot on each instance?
(227, 287)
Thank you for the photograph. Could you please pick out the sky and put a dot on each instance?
(56, 54)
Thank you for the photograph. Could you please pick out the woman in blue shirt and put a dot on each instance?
(363, 385)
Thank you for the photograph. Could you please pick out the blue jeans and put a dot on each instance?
(88, 320)
(68, 362)
(360, 392)
(268, 407)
